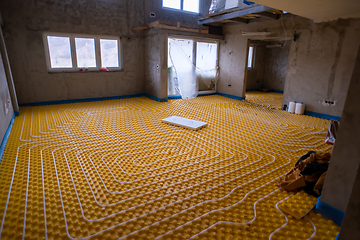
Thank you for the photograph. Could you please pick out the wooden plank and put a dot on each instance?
(236, 14)
(268, 15)
(184, 123)
(163, 24)
(240, 20)
(140, 28)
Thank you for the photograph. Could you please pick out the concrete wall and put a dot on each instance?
(320, 62)
(155, 6)
(24, 22)
(320, 65)
(276, 67)
(345, 160)
(255, 75)
(5, 118)
(156, 63)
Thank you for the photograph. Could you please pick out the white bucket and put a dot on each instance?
(291, 108)
(300, 108)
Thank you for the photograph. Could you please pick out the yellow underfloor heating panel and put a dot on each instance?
(299, 205)
(113, 170)
(269, 99)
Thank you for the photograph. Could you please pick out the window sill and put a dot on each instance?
(83, 71)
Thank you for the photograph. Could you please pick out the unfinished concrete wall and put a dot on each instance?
(276, 66)
(320, 62)
(255, 75)
(153, 62)
(320, 65)
(345, 159)
(26, 20)
(154, 11)
(5, 116)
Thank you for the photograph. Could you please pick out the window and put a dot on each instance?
(251, 57)
(60, 52)
(183, 5)
(73, 53)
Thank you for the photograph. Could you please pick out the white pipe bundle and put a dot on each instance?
(300, 108)
(291, 107)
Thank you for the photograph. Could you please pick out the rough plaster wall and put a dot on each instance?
(155, 6)
(351, 222)
(232, 60)
(276, 67)
(164, 63)
(153, 62)
(26, 20)
(255, 76)
(319, 64)
(4, 94)
(346, 158)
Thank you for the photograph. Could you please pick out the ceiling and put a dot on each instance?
(318, 10)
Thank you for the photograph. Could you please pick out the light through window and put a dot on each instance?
(85, 52)
(176, 4)
(109, 53)
(60, 52)
(251, 57)
(183, 5)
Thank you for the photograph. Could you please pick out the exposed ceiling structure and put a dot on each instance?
(318, 10)
(246, 15)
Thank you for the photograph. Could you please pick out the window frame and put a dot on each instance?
(75, 67)
(182, 7)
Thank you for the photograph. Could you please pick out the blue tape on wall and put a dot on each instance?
(17, 113)
(321, 115)
(80, 100)
(330, 212)
(156, 98)
(174, 97)
(205, 94)
(231, 96)
(279, 91)
(6, 137)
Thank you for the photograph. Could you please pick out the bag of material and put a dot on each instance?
(332, 130)
(292, 180)
(308, 170)
(319, 184)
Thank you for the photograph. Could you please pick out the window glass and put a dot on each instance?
(60, 52)
(109, 49)
(172, 4)
(85, 52)
(250, 57)
(206, 60)
(180, 51)
(191, 5)
(206, 55)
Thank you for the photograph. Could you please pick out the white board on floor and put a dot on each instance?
(184, 122)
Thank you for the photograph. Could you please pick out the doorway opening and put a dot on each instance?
(266, 69)
(192, 67)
